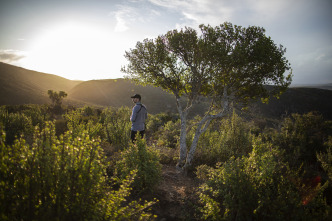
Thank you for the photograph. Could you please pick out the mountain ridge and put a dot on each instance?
(22, 86)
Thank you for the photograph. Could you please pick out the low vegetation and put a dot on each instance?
(82, 165)
(78, 163)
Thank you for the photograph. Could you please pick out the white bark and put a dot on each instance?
(201, 128)
(183, 133)
(203, 125)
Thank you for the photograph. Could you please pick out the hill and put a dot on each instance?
(117, 93)
(320, 86)
(298, 100)
(22, 86)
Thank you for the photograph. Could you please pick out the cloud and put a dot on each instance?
(9, 56)
(241, 12)
(320, 56)
(124, 16)
(215, 12)
(191, 12)
(313, 66)
(196, 12)
(128, 16)
(269, 10)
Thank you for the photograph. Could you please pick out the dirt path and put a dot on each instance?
(177, 196)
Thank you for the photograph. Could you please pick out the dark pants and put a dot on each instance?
(133, 134)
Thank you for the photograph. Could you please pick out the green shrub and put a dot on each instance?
(165, 136)
(155, 122)
(301, 137)
(325, 158)
(169, 135)
(169, 156)
(116, 126)
(15, 125)
(60, 126)
(38, 113)
(61, 179)
(260, 187)
(224, 139)
(143, 159)
(116, 207)
(77, 121)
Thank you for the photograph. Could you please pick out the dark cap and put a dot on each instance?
(136, 96)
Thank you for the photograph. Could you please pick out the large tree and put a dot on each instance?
(227, 64)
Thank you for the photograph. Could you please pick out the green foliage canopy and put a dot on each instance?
(241, 60)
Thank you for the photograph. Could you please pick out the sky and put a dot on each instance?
(87, 39)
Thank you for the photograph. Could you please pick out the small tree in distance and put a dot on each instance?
(56, 97)
(227, 64)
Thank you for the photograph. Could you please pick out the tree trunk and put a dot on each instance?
(183, 144)
(183, 135)
(201, 128)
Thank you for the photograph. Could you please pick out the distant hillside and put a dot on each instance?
(22, 86)
(117, 93)
(298, 100)
(319, 86)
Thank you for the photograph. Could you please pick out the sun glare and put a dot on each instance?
(75, 51)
